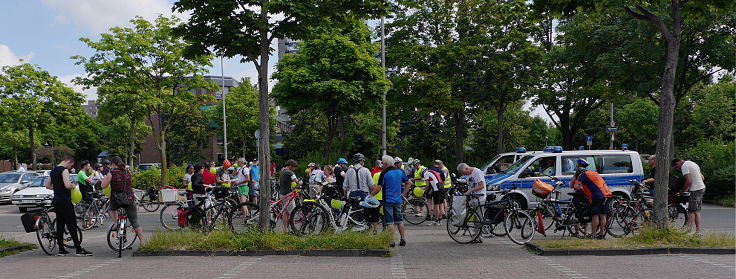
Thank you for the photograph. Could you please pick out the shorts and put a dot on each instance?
(392, 213)
(695, 202)
(598, 206)
(131, 211)
(372, 215)
(243, 190)
(438, 196)
(255, 189)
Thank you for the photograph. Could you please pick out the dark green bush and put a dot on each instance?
(152, 177)
(717, 161)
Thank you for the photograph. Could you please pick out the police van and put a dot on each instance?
(616, 167)
(502, 161)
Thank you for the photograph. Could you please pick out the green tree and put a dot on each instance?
(247, 27)
(638, 124)
(116, 136)
(10, 142)
(116, 101)
(714, 111)
(145, 65)
(335, 72)
(189, 132)
(32, 100)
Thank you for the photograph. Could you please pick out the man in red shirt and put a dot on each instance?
(376, 168)
(209, 177)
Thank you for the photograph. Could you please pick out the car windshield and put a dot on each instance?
(513, 168)
(9, 177)
(39, 182)
(488, 165)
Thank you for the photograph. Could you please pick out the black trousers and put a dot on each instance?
(65, 217)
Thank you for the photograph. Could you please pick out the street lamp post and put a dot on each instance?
(53, 149)
(383, 107)
(224, 116)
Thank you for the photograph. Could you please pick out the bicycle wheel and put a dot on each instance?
(121, 238)
(46, 235)
(630, 220)
(677, 215)
(68, 242)
(415, 211)
(169, 217)
(148, 204)
(519, 226)
(244, 217)
(548, 219)
(464, 230)
(616, 225)
(310, 218)
(89, 219)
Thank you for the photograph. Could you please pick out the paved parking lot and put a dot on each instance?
(429, 254)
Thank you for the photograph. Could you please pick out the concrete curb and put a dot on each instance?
(626, 252)
(316, 252)
(19, 248)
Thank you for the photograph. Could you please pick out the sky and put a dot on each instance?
(46, 33)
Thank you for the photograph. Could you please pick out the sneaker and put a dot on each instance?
(438, 223)
(402, 242)
(83, 253)
(478, 240)
(393, 244)
(600, 236)
(62, 252)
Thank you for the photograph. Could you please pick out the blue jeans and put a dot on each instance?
(392, 213)
(360, 195)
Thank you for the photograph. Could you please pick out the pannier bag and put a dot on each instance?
(459, 210)
(541, 189)
(181, 216)
(29, 223)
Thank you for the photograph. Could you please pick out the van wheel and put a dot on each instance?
(22, 209)
(521, 201)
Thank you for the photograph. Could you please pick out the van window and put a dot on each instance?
(615, 164)
(544, 166)
(516, 166)
(570, 162)
(503, 163)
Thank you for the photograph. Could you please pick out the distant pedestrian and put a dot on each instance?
(84, 179)
(209, 175)
(394, 184)
(376, 167)
(476, 187)
(255, 181)
(340, 169)
(21, 168)
(120, 182)
(186, 181)
(693, 183)
(288, 181)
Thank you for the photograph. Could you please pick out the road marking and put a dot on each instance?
(232, 273)
(397, 267)
(707, 261)
(561, 268)
(90, 268)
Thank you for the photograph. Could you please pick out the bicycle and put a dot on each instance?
(563, 215)
(150, 199)
(95, 214)
(244, 216)
(117, 234)
(45, 229)
(169, 214)
(202, 216)
(628, 215)
(504, 211)
(677, 209)
(313, 215)
(414, 209)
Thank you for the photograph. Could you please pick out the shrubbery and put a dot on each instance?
(152, 177)
(717, 163)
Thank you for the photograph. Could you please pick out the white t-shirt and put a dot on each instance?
(475, 178)
(316, 176)
(241, 173)
(21, 169)
(693, 169)
(433, 179)
(187, 178)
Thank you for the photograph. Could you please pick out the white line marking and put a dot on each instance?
(397, 267)
(707, 261)
(560, 268)
(237, 269)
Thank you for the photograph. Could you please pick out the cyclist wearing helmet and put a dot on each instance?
(105, 166)
(596, 191)
(96, 177)
(340, 170)
(358, 180)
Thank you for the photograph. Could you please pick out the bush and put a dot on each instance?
(717, 163)
(152, 177)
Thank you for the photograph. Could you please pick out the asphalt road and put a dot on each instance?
(430, 253)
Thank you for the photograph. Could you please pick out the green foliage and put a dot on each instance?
(638, 124)
(188, 240)
(714, 111)
(646, 238)
(188, 133)
(152, 177)
(716, 160)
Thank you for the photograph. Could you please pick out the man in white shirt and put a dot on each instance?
(358, 180)
(476, 187)
(693, 183)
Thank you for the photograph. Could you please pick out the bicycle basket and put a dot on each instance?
(220, 192)
(29, 222)
(541, 190)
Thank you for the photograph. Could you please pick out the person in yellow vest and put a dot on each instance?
(446, 183)
(420, 182)
(373, 215)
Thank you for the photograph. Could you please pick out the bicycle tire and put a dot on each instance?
(67, 236)
(169, 217)
(148, 204)
(677, 215)
(309, 218)
(469, 230)
(45, 233)
(121, 237)
(89, 219)
(113, 235)
(412, 211)
(518, 221)
(243, 222)
(615, 223)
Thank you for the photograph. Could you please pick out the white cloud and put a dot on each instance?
(8, 58)
(90, 94)
(98, 16)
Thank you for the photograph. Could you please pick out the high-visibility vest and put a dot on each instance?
(418, 174)
(448, 180)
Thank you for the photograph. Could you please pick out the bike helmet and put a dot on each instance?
(98, 165)
(226, 164)
(311, 165)
(416, 161)
(583, 162)
(105, 161)
(358, 157)
(398, 160)
(342, 161)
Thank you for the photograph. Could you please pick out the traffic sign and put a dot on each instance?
(589, 140)
(612, 129)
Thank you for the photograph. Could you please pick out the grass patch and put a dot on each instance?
(9, 243)
(646, 238)
(188, 240)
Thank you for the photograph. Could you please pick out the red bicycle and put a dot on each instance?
(244, 216)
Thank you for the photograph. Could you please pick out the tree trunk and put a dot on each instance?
(164, 161)
(341, 134)
(131, 148)
(501, 137)
(264, 153)
(459, 117)
(33, 147)
(331, 131)
(244, 141)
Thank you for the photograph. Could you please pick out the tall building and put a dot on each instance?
(287, 46)
(91, 108)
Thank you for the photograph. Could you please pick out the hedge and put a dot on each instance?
(152, 177)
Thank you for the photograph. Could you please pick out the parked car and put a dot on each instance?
(11, 182)
(148, 166)
(36, 194)
(615, 167)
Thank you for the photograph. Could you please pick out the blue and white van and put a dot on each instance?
(616, 168)
(502, 161)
